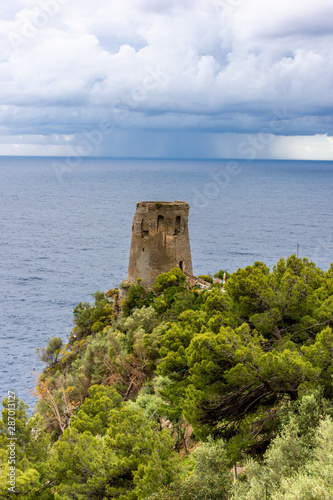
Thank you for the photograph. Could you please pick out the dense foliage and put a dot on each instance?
(159, 395)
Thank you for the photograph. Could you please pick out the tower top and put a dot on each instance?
(157, 205)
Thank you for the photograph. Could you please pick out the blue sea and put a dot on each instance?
(65, 232)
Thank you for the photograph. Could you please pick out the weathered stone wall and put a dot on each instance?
(194, 280)
(160, 240)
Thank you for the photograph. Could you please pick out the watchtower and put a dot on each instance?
(160, 240)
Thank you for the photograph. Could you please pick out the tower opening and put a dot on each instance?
(144, 228)
(182, 265)
(177, 225)
(160, 223)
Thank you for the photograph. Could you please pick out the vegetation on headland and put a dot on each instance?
(158, 399)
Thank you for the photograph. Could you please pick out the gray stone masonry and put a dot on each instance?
(160, 240)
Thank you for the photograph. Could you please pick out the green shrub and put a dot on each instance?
(207, 476)
(92, 318)
(298, 464)
(175, 277)
(51, 353)
(137, 297)
(206, 277)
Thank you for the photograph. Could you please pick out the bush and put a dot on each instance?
(137, 297)
(175, 277)
(298, 463)
(206, 277)
(92, 318)
(207, 476)
(50, 354)
(220, 274)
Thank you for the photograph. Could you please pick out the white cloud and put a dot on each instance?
(317, 147)
(210, 67)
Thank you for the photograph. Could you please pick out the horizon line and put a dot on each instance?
(168, 158)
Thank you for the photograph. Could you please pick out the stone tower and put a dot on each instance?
(160, 240)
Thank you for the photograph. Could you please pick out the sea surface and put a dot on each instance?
(65, 232)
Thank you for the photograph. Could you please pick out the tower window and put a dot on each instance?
(177, 225)
(160, 223)
(144, 228)
(181, 265)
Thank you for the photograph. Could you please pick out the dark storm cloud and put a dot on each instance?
(194, 66)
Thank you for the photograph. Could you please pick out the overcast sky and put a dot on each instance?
(167, 78)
